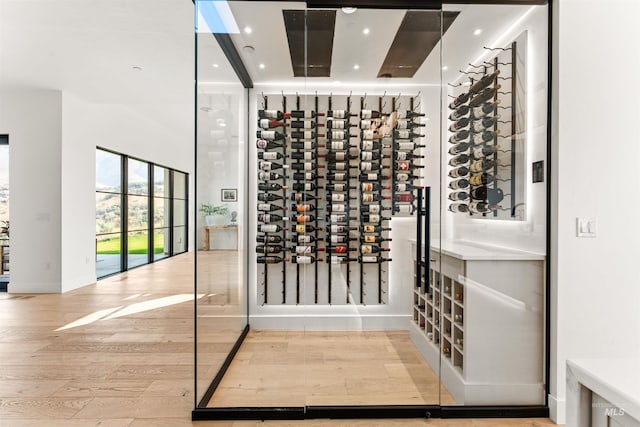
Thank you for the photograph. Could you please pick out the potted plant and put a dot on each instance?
(211, 211)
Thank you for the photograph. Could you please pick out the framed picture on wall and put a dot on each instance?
(229, 194)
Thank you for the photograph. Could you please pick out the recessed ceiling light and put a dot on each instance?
(366, 31)
(261, 66)
(215, 65)
(248, 30)
(477, 31)
(356, 67)
(445, 68)
(137, 68)
(349, 10)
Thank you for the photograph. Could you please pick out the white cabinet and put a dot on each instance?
(482, 320)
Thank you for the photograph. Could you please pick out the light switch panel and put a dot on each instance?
(585, 227)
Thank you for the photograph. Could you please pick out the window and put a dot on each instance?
(136, 211)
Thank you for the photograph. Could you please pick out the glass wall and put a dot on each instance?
(4, 209)
(133, 216)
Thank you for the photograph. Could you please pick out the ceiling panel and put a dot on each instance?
(310, 38)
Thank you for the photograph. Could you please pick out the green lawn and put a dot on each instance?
(137, 245)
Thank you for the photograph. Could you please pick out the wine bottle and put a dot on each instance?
(302, 259)
(337, 238)
(340, 249)
(484, 151)
(407, 209)
(371, 134)
(459, 136)
(458, 172)
(267, 124)
(340, 135)
(372, 177)
(408, 146)
(367, 238)
(479, 207)
(271, 114)
(369, 197)
(484, 96)
(479, 193)
(484, 123)
(270, 186)
(460, 159)
(269, 228)
(303, 238)
(372, 145)
(269, 218)
(263, 144)
(459, 100)
(268, 207)
(269, 249)
(339, 156)
(266, 238)
(340, 217)
(404, 197)
(481, 179)
(409, 114)
(460, 124)
(340, 145)
(407, 166)
(268, 197)
(369, 114)
(304, 228)
(369, 228)
(480, 138)
(339, 166)
(492, 195)
(337, 228)
(269, 155)
(368, 156)
(406, 187)
(305, 145)
(459, 148)
(301, 249)
(307, 134)
(303, 186)
(367, 124)
(371, 166)
(371, 249)
(303, 155)
(372, 186)
(267, 166)
(339, 197)
(306, 166)
(459, 184)
(485, 81)
(269, 176)
(482, 165)
(403, 155)
(305, 176)
(336, 207)
(303, 114)
(459, 207)
(458, 196)
(270, 135)
(408, 124)
(484, 109)
(372, 259)
(339, 124)
(340, 114)
(303, 208)
(374, 209)
(459, 112)
(373, 218)
(338, 187)
(269, 259)
(305, 124)
(341, 260)
(402, 177)
(407, 134)
(337, 176)
(302, 197)
(304, 218)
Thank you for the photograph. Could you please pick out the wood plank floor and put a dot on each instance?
(120, 353)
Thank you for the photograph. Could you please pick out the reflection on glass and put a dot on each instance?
(137, 248)
(161, 212)
(161, 243)
(138, 177)
(179, 185)
(138, 213)
(160, 181)
(179, 240)
(108, 171)
(108, 213)
(108, 254)
(179, 214)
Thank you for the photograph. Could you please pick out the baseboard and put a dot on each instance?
(557, 410)
(331, 322)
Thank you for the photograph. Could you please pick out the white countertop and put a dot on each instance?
(472, 251)
(615, 380)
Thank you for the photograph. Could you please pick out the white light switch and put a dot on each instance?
(585, 227)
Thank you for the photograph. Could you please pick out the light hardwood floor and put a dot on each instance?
(120, 353)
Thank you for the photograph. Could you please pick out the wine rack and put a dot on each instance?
(346, 170)
(483, 129)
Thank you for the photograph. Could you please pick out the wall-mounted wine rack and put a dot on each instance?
(483, 174)
(334, 192)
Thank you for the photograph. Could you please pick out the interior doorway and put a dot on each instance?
(4, 212)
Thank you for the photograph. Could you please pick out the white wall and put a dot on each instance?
(33, 120)
(596, 297)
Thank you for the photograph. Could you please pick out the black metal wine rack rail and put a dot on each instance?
(369, 158)
(479, 133)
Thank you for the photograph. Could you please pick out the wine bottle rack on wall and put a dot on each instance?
(483, 130)
(331, 174)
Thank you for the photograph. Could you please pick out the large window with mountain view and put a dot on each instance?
(141, 212)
